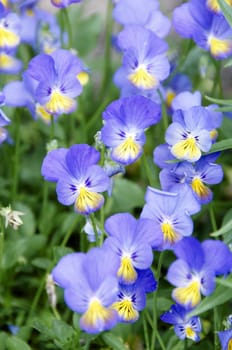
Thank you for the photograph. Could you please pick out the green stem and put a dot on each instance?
(52, 129)
(146, 337)
(96, 116)
(160, 341)
(56, 313)
(43, 281)
(93, 221)
(107, 53)
(2, 237)
(102, 220)
(37, 297)
(164, 112)
(147, 169)
(45, 183)
(15, 177)
(68, 26)
(69, 232)
(212, 217)
(217, 86)
(215, 316)
(155, 333)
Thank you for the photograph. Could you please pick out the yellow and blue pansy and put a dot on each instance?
(55, 77)
(90, 287)
(189, 134)
(214, 5)
(145, 68)
(125, 121)
(9, 31)
(80, 180)
(203, 22)
(193, 273)
(185, 326)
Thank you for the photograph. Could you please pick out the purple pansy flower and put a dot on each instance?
(9, 30)
(90, 287)
(189, 134)
(150, 17)
(9, 64)
(197, 176)
(64, 3)
(186, 100)
(170, 213)
(193, 273)
(130, 300)
(180, 82)
(79, 178)
(184, 325)
(124, 123)
(131, 241)
(144, 57)
(4, 121)
(56, 81)
(210, 31)
(225, 339)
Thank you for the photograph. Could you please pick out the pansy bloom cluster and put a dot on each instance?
(143, 258)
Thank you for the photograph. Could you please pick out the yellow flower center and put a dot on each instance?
(8, 38)
(142, 79)
(88, 201)
(4, 2)
(229, 347)
(169, 97)
(169, 234)
(187, 149)
(214, 5)
(213, 134)
(96, 316)
(59, 103)
(190, 333)
(189, 295)
(126, 310)
(44, 115)
(126, 270)
(128, 149)
(83, 78)
(6, 61)
(199, 188)
(218, 46)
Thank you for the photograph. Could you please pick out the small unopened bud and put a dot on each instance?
(51, 292)
(53, 144)
(12, 217)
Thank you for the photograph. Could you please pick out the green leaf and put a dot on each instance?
(3, 337)
(43, 328)
(62, 330)
(221, 295)
(227, 11)
(221, 146)
(227, 235)
(13, 250)
(228, 64)
(15, 343)
(224, 109)
(41, 263)
(113, 341)
(225, 282)
(224, 229)
(219, 101)
(126, 196)
(28, 226)
(59, 252)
